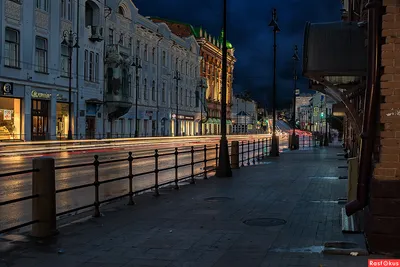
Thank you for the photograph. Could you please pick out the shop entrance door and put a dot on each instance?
(90, 127)
(40, 119)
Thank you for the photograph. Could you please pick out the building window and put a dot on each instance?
(121, 11)
(110, 36)
(41, 54)
(164, 59)
(64, 60)
(182, 99)
(121, 39)
(187, 68)
(190, 98)
(96, 68)
(197, 99)
(153, 91)
(186, 98)
(176, 63)
(66, 9)
(145, 53)
(86, 65)
(43, 5)
(145, 89)
(125, 82)
(138, 48)
(110, 76)
(163, 93)
(130, 42)
(153, 55)
(91, 66)
(11, 48)
(10, 118)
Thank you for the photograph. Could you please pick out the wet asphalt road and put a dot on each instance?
(21, 185)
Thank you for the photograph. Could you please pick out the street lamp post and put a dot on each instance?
(224, 166)
(177, 78)
(137, 65)
(202, 87)
(295, 58)
(69, 38)
(274, 144)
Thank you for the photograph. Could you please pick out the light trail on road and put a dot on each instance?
(21, 185)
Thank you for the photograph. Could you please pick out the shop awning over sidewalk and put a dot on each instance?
(335, 57)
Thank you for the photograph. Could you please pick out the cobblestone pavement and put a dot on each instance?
(202, 225)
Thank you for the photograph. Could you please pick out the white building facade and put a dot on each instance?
(321, 105)
(152, 77)
(244, 115)
(34, 68)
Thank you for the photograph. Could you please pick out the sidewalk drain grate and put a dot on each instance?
(218, 199)
(265, 222)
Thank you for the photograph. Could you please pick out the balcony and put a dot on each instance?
(96, 33)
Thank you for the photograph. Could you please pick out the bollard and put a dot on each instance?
(235, 155)
(44, 206)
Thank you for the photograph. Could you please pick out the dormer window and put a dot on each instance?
(121, 11)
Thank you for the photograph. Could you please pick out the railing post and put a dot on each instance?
(192, 181)
(216, 156)
(248, 152)
(156, 186)
(130, 161)
(309, 141)
(176, 169)
(254, 152)
(205, 162)
(304, 140)
(96, 164)
(235, 155)
(44, 206)
(242, 154)
(258, 150)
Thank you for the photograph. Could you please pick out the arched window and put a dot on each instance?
(153, 91)
(121, 11)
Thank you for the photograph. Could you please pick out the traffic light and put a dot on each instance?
(322, 115)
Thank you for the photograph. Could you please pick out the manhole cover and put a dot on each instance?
(218, 199)
(265, 222)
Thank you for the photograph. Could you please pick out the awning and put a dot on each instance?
(217, 121)
(228, 122)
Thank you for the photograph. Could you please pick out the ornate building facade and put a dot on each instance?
(34, 69)
(151, 76)
(211, 70)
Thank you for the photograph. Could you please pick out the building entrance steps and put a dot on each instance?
(276, 214)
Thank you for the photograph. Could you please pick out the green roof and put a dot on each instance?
(198, 32)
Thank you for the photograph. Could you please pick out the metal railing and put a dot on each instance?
(251, 152)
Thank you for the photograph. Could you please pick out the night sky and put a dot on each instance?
(251, 37)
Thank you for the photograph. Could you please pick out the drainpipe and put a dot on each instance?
(371, 108)
(158, 82)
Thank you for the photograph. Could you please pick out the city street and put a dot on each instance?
(20, 185)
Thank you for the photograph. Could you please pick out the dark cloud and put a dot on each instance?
(252, 38)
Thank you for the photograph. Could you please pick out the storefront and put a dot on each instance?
(185, 125)
(10, 113)
(62, 110)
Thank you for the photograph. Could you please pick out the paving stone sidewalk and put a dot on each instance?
(184, 228)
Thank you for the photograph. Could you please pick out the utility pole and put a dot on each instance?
(275, 142)
(177, 78)
(137, 66)
(295, 58)
(224, 165)
(68, 40)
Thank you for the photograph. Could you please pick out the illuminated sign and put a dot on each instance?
(40, 95)
(7, 89)
(183, 117)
